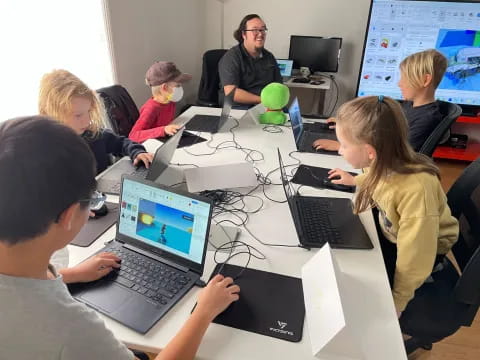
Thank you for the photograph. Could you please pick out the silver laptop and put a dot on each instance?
(109, 181)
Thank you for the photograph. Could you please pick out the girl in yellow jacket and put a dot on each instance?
(403, 185)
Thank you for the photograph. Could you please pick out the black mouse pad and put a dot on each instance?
(313, 176)
(270, 304)
(96, 227)
(187, 139)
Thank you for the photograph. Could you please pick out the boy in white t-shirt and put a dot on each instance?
(43, 207)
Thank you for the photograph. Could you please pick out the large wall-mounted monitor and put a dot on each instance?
(315, 52)
(398, 28)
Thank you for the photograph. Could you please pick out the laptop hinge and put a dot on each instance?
(155, 257)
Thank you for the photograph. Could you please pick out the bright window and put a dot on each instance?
(37, 37)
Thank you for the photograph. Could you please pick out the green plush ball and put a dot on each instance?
(273, 117)
(275, 96)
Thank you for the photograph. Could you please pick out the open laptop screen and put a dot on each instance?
(227, 106)
(289, 192)
(285, 67)
(174, 223)
(296, 119)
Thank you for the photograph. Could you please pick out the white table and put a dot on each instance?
(381, 338)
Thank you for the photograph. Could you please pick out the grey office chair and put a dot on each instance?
(450, 113)
(451, 301)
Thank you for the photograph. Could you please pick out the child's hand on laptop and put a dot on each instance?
(325, 144)
(146, 158)
(338, 176)
(216, 296)
(332, 122)
(91, 269)
(172, 129)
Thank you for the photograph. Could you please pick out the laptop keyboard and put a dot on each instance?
(150, 278)
(317, 127)
(205, 123)
(315, 217)
(140, 172)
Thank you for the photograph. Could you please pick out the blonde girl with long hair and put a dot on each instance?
(66, 98)
(402, 185)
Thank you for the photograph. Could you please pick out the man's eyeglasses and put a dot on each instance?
(96, 201)
(258, 31)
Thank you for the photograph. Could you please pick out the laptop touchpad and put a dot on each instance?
(108, 297)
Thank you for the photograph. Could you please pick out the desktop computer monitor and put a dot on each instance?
(285, 67)
(398, 28)
(315, 52)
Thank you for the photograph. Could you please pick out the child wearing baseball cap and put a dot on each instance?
(165, 81)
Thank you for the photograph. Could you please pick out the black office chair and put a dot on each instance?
(440, 308)
(210, 81)
(140, 355)
(120, 107)
(450, 113)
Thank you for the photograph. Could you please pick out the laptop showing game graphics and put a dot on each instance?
(161, 239)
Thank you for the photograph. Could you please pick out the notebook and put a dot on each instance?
(285, 66)
(319, 220)
(212, 123)
(161, 237)
(304, 138)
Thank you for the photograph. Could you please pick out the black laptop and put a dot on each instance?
(161, 238)
(319, 220)
(304, 138)
(187, 139)
(109, 180)
(212, 123)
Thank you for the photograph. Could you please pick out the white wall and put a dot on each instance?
(145, 31)
(342, 18)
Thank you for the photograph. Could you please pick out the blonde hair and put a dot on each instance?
(380, 122)
(58, 88)
(414, 67)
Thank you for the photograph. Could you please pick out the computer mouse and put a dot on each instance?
(323, 150)
(100, 212)
(328, 183)
(317, 82)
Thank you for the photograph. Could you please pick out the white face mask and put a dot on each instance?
(177, 94)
